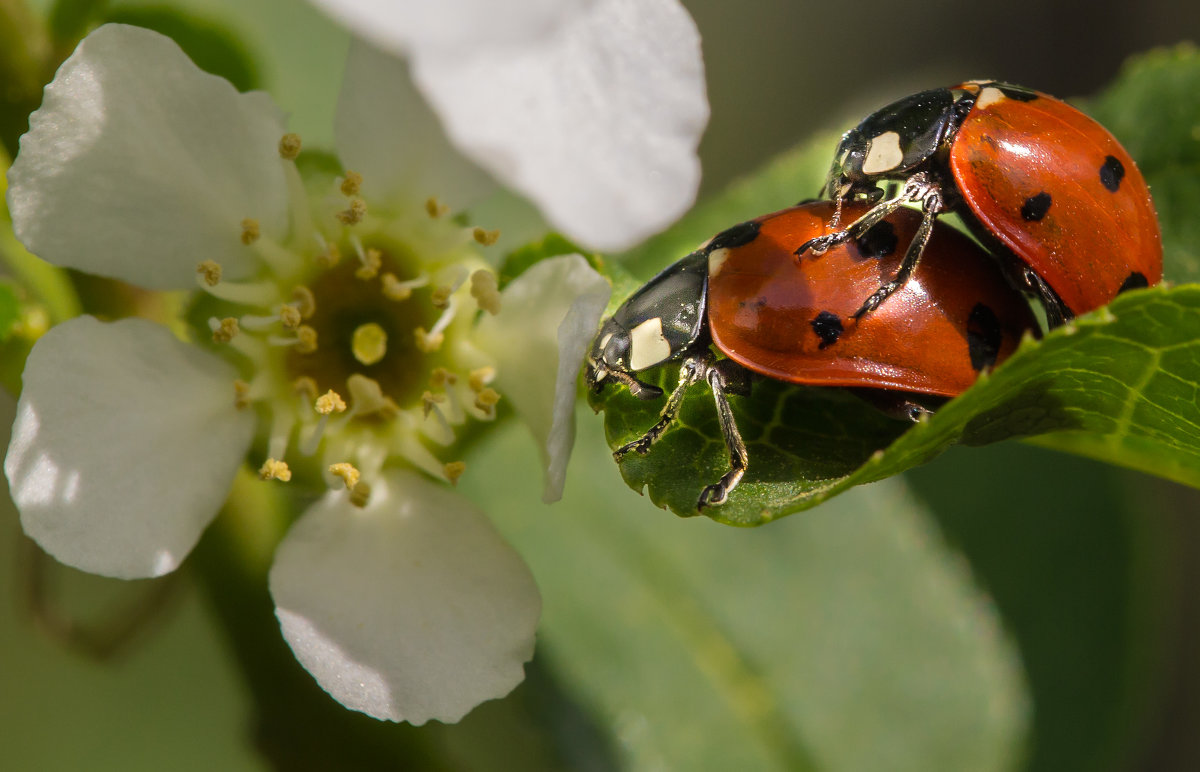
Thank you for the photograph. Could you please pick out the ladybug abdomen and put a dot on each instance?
(1056, 189)
(791, 318)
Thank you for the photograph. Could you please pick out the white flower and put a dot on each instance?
(393, 591)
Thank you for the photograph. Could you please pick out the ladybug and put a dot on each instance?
(1045, 187)
(744, 305)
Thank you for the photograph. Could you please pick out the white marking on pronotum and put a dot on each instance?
(988, 97)
(604, 341)
(716, 259)
(883, 154)
(647, 346)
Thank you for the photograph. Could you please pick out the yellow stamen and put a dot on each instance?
(241, 394)
(368, 397)
(360, 494)
(394, 289)
(224, 330)
(306, 302)
(354, 214)
(372, 261)
(330, 402)
(485, 288)
(289, 147)
(486, 238)
(486, 400)
(429, 399)
(454, 470)
(441, 296)
(306, 387)
(347, 472)
(478, 379)
(441, 376)
(435, 208)
(290, 317)
(306, 339)
(351, 184)
(330, 257)
(428, 342)
(210, 271)
(251, 231)
(275, 470)
(369, 343)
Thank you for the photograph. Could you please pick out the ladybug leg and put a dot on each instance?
(931, 209)
(690, 372)
(719, 378)
(1057, 312)
(918, 187)
(636, 387)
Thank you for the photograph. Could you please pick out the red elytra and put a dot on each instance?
(780, 316)
(1056, 189)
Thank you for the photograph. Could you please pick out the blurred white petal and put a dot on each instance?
(413, 608)
(125, 445)
(548, 317)
(138, 165)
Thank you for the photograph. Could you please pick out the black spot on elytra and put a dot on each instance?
(1018, 93)
(1112, 171)
(1035, 207)
(984, 337)
(1135, 280)
(828, 328)
(759, 303)
(737, 236)
(878, 241)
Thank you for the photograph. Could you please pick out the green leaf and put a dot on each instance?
(1127, 376)
(849, 639)
(213, 47)
(1153, 108)
(69, 19)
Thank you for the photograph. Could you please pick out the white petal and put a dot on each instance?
(124, 447)
(386, 132)
(453, 25)
(138, 165)
(548, 317)
(597, 123)
(411, 609)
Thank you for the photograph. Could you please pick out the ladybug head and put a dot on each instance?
(609, 359)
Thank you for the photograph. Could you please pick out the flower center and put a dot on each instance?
(354, 335)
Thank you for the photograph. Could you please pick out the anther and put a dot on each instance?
(435, 208)
(353, 214)
(428, 342)
(290, 316)
(210, 272)
(351, 184)
(348, 474)
(275, 470)
(486, 400)
(485, 237)
(306, 387)
(251, 231)
(223, 330)
(478, 379)
(429, 400)
(360, 494)
(306, 302)
(454, 470)
(372, 261)
(289, 147)
(329, 256)
(241, 394)
(394, 289)
(306, 339)
(485, 288)
(329, 402)
(440, 298)
(441, 376)
(369, 343)
(367, 397)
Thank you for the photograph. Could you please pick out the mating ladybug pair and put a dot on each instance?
(895, 302)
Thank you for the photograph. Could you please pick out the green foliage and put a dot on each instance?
(1118, 385)
(9, 310)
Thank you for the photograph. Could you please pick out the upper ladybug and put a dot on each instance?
(1047, 189)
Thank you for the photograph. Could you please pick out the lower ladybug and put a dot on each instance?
(744, 304)
(1045, 187)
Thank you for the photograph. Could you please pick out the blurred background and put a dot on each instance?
(1000, 608)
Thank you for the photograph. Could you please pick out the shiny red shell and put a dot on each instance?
(1058, 191)
(766, 306)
